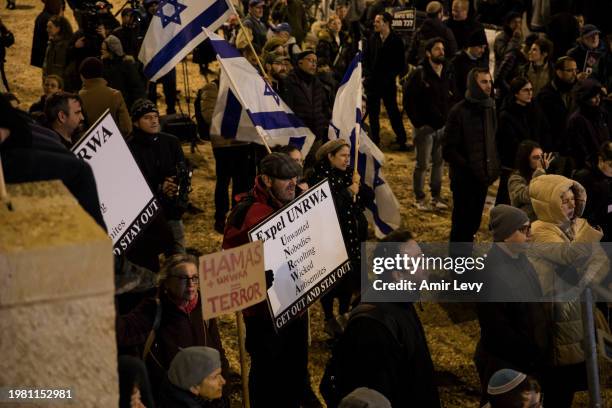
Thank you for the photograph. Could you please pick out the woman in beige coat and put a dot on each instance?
(566, 256)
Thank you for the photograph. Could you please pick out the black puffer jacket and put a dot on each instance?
(306, 96)
(468, 144)
(557, 102)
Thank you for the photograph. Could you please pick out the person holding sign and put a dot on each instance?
(350, 196)
(279, 360)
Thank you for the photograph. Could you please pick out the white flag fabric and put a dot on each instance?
(176, 29)
(346, 120)
(246, 102)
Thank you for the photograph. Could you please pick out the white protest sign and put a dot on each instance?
(233, 279)
(304, 248)
(126, 201)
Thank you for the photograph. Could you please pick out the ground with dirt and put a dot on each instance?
(451, 340)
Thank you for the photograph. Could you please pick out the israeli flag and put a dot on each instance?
(345, 123)
(248, 109)
(176, 29)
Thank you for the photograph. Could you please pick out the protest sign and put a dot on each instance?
(126, 201)
(404, 19)
(233, 279)
(305, 250)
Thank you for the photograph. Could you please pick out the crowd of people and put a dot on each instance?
(538, 124)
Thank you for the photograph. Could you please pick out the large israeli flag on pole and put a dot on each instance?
(176, 29)
(248, 109)
(346, 121)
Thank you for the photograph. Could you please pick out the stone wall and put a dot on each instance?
(57, 316)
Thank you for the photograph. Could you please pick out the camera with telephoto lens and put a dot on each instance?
(92, 17)
(180, 201)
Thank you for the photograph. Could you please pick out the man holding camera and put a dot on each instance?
(163, 165)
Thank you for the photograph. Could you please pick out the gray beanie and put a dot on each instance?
(193, 364)
(114, 45)
(363, 397)
(504, 220)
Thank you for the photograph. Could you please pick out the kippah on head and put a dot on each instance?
(504, 380)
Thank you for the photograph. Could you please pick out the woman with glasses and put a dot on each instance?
(162, 325)
(530, 162)
(566, 256)
(520, 119)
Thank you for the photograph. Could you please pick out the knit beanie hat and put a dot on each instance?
(141, 107)
(504, 220)
(114, 45)
(328, 147)
(91, 68)
(504, 380)
(304, 54)
(477, 38)
(365, 398)
(280, 166)
(191, 365)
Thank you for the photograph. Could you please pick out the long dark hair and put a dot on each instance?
(64, 25)
(523, 155)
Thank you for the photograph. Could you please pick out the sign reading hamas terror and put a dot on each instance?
(305, 251)
(126, 201)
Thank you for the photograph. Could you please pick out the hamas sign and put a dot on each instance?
(126, 201)
(304, 248)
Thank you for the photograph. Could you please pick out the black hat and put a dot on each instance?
(304, 54)
(477, 38)
(280, 166)
(141, 107)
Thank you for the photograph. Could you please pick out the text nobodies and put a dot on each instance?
(304, 248)
(126, 201)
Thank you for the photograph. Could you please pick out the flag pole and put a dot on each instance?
(3, 193)
(358, 125)
(246, 399)
(243, 28)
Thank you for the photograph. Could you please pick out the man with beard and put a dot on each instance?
(279, 360)
(557, 102)
(276, 71)
(427, 100)
(64, 115)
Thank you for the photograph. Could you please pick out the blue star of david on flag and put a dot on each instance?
(175, 17)
(268, 91)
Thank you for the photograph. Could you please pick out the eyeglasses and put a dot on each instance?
(186, 279)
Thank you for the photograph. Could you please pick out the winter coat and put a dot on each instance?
(177, 330)
(538, 76)
(258, 30)
(383, 61)
(97, 97)
(518, 123)
(352, 220)
(564, 247)
(504, 42)
(306, 96)
(387, 351)
(467, 145)
(431, 28)
(122, 75)
(518, 190)
(174, 397)
(332, 54)
(587, 130)
(512, 334)
(56, 58)
(429, 97)
(40, 39)
(557, 103)
(460, 67)
(507, 70)
(580, 52)
(598, 188)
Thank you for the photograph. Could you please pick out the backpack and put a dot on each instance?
(330, 382)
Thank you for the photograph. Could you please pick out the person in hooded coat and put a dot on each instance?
(566, 251)
(589, 126)
(468, 145)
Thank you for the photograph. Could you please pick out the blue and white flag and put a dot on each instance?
(248, 108)
(346, 121)
(176, 29)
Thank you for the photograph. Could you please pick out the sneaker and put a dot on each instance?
(421, 205)
(439, 203)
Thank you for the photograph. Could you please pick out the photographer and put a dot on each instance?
(163, 165)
